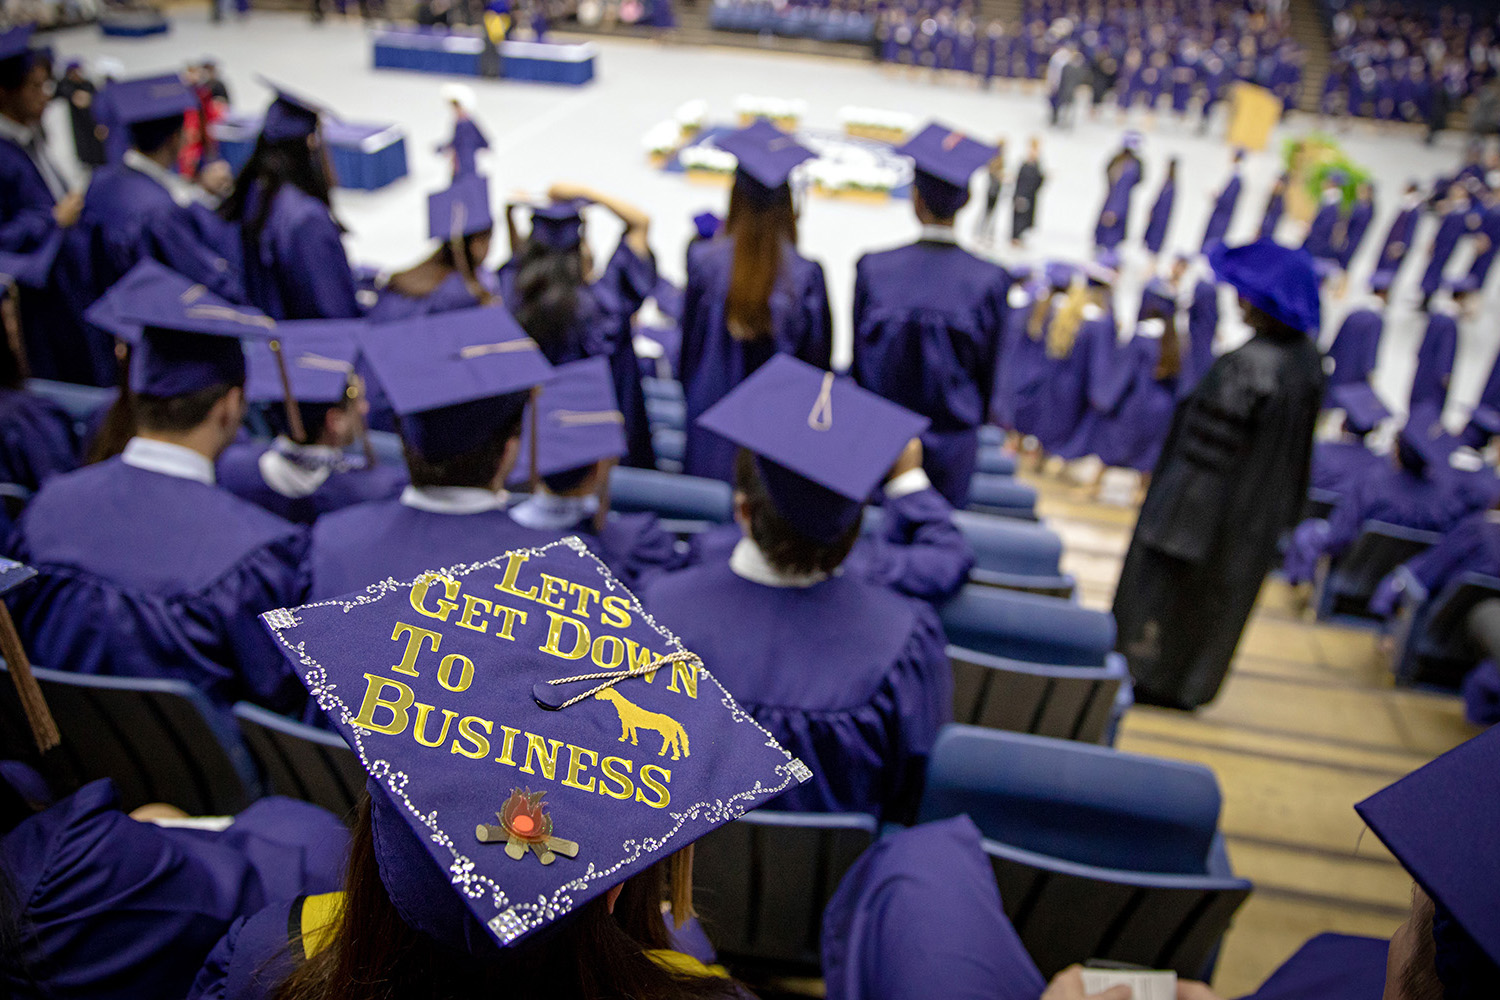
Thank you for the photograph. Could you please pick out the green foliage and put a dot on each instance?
(1310, 159)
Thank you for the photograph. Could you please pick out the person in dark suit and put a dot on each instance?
(1029, 180)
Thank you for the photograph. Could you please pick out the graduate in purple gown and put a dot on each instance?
(1357, 224)
(1224, 202)
(142, 208)
(749, 294)
(1161, 211)
(453, 275)
(1132, 400)
(1121, 176)
(302, 480)
(1081, 339)
(37, 439)
(1351, 357)
(1275, 208)
(1024, 367)
(928, 315)
(1322, 232)
(294, 261)
(459, 382)
(580, 436)
(1460, 217)
(1473, 546)
(146, 567)
(1337, 465)
(1202, 299)
(550, 286)
(814, 448)
(1486, 245)
(1398, 237)
(468, 138)
(1429, 387)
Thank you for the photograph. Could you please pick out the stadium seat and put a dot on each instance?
(995, 462)
(1002, 495)
(1346, 584)
(80, 402)
(1433, 639)
(1028, 627)
(762, 883)
(302, 761)
(666, 414)
(1067, 703)
(387, 449)
(692, 502)
(669, 445)
(159, 740)
(1008, 553)
(1098, 854)
(1320, 504)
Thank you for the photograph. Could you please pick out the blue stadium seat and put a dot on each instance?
(302, 761)
(990, 435)
(1320, 503)
(1066, 703)
(1002, 495)
(80, 402)
(762, 882)
(1008, 553)
(669, 445)
(666, 414)
(662, 388)
(386, 447)
(1345, 585)
(1028, 627)
(1435, 650)
(1098, 854)
(696, 502)
(159, 740)
(994, 462)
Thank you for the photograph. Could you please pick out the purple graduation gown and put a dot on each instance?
(1320, 232)
(468, 139)
(1481, 691)
(1275, 207)
(634, 546)
(238, 471)
(1223, 213)
(1429, 387)
(1065, 395)
(1398, 240)
(864, 719)
(1473, 546)
(299, 270)
(118, 910)
(1130, 409)
(1023, 364)
(1330, 967)
(713, 362)
(1114, 216)
(37, 440)
(451, 294)
(1203, 326)
(917, 916)
(142, 574)
(1161, 217)
(1355, 347)
(1338, 465)
(927, 325)
(1354, 230)
(1451, 228)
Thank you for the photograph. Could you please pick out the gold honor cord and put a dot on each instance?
(503, 347)
(820, 417)
(613, 677)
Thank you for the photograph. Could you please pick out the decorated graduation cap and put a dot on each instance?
(578, 421)
(487, 701)
(1363, 410)
(766, 157)
(822, 444)
(151, 99)
(1441, 822)
(1275, 279)
(945, 160)
(558, 225)
(462, 210)
(453, 378)
(290, 116)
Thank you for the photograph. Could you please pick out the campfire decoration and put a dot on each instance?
(524, 823)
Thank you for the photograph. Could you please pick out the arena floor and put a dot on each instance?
(1308, 723)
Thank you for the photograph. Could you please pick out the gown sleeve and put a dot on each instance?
(921, 689)
(692, 322)
(636, 547)
(919, 551)
(175, 242)
(37, 442)
(323, 269)
(817, 349)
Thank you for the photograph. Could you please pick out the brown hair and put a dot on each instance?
(1169, 362)
(762, 230)
(783, 546)
(589, 955)
(457, 254)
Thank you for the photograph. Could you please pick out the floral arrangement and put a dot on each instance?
(785, 113)
(663, 139)
(691, 116)
(834, 178)
(1312, 158)
(707, 159)
(877, 123)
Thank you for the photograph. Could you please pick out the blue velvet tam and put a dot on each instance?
(767, 156)
(290, 116)
(151, 98)
(532, 735)
(821, 442)
(707, 224)
(190, 338)
(1277, 280)
(559, 225)
(319, 355)
(1363, 410)
(1442, 822)
(33, 268)
(454, 378)
(13, 574)
(580, 422)
(944, 162)
(462, 210)
(16, 44)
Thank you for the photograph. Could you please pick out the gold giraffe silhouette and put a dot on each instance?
(634, 718)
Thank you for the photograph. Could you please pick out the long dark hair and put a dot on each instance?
(589, 955)
(457, 255)
(271, 165)
(1169, 362)
(119, 424)
(547, 285)
(762, 229)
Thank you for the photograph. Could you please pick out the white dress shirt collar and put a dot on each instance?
(168, 459)
(453, 499)
(548, 512)
(748, 562)
(939, 234)
(183, 191)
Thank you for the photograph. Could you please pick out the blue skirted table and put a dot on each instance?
(133, 23)
(452, 53)
(365, 157)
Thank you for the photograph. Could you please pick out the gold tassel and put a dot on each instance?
(38, 716)
(682, 886)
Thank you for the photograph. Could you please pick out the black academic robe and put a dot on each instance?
(1231, 479)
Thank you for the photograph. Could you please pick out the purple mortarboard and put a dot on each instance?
(190, 338)
(502, 797)
(462, 210)
(319, 355)
(766, 156)
(13, 574)
(559, 225)
(16, 43)
(454, 378)
(945, 160)
(107, 312)
(34, 268)
(823, 444)
(581, 422)
(1441, 822)
(290, 116)
(151, 98)
(1363, 410)
(1059, 274)
(1277, 280)
(707, 224)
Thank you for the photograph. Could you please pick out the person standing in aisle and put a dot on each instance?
(1029, 180)
(1121, 176)
(994, 184)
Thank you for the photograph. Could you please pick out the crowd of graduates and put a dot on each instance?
(232, 477)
